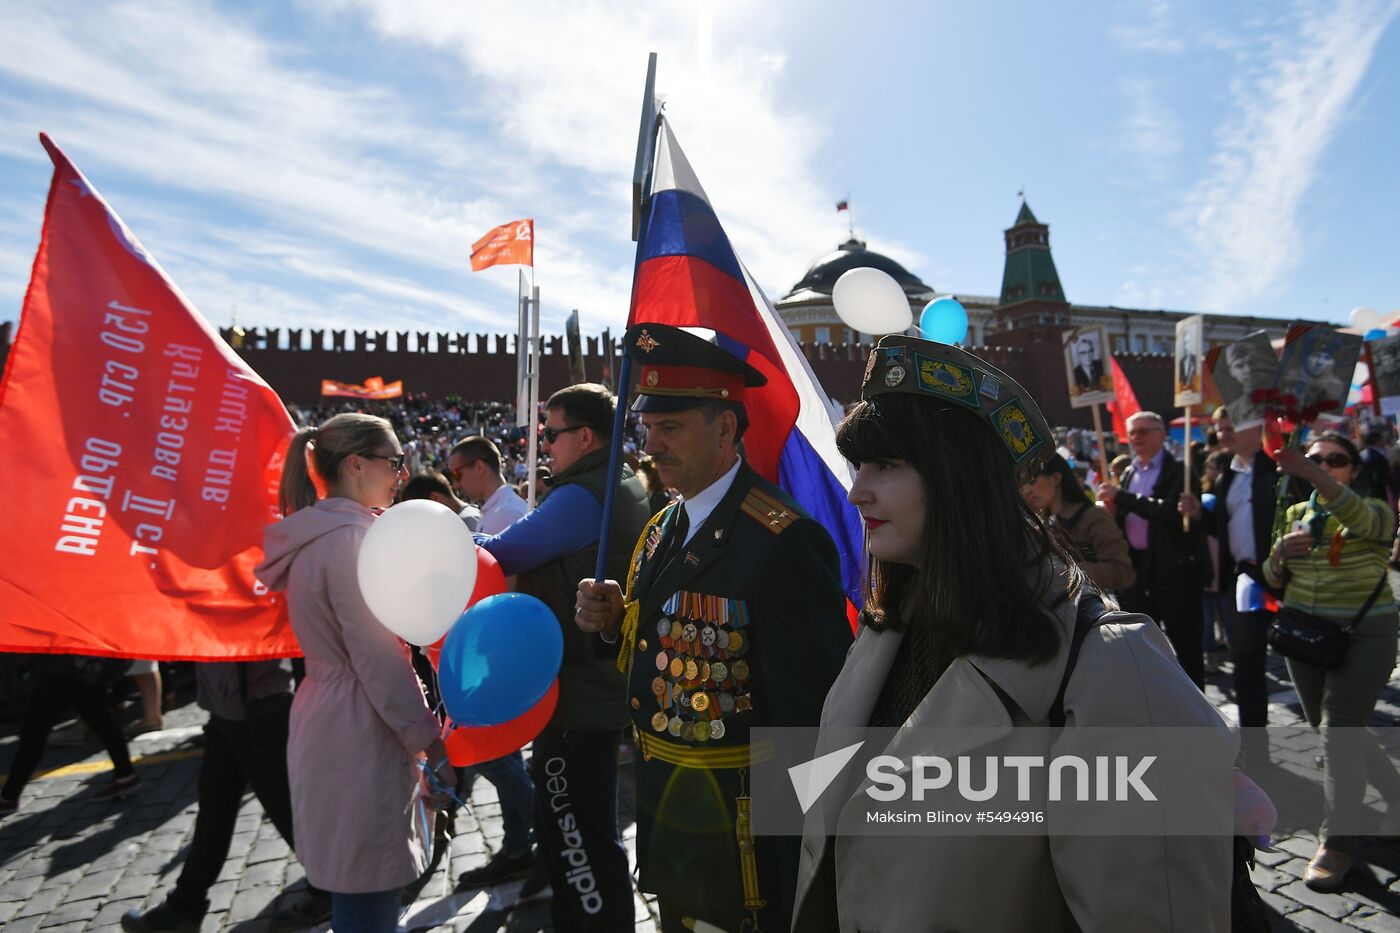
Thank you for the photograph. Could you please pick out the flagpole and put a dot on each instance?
(1098, 434)
(533, 435)
(641, 194)
(850, 217)
(1186, 460)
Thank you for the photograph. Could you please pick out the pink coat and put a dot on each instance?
(359, 722)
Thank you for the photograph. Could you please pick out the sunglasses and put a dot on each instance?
(1335, 461)
(552, 434)
(395, 462)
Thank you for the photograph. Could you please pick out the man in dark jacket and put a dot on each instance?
(575, 757)
(1242, 522)
(736, 619)
(1172, 563)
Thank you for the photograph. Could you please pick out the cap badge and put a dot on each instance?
(652, 377)
(1015, 429)
(991, 388)
(647, 342)
(894, 376)
(947, 379)
(894, 355)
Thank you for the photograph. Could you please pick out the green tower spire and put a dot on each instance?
(1029, 274)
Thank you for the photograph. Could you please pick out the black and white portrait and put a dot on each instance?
(1242, 369)
(1188, 389)
(1316, 367)
(1086, 363)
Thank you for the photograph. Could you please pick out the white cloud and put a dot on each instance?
(204, 115)
(1242, 218)
(1151, 132)
(1153, 31)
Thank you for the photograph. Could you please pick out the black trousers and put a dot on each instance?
(575, 774)
(1173, 606)
(53, 696)
(237, 755)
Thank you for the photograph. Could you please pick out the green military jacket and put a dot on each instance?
(743, 626)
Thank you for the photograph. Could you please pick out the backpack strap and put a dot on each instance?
(1090, 611)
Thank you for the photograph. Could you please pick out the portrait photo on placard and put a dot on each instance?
(1385, 372)
(1087, 366)
(1242, 368)
(1189, 372)
(1317, 365)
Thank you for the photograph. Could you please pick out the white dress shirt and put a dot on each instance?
(698, 508)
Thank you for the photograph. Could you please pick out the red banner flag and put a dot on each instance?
(509, 243)
(143, 458)
(1124, 404)
(374, 388)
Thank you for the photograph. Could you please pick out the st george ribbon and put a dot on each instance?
(143, 457)
(689, 276)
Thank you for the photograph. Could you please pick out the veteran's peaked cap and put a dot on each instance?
(678, 370)
(953, 378)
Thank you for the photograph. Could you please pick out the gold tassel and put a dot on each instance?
(748, 863)
(633, 610)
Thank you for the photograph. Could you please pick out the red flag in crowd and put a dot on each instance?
(512, 243)
(1124, 404)
(143, 458)
(373, 388)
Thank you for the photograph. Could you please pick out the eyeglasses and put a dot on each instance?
(1335, 461)
(552, 434)
(395, 461)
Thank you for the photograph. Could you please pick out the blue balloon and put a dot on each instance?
(1374, 334)
(944, 320)
(499, 659)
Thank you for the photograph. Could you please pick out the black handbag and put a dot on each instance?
(1302, 636)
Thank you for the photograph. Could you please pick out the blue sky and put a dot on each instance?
(329, 162)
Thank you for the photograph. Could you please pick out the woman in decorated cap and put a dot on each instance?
(977, 623)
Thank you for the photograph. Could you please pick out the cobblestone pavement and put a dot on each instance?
(69, 862)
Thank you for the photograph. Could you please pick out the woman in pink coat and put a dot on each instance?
(359, 725)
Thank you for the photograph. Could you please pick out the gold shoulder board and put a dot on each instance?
(769, 512)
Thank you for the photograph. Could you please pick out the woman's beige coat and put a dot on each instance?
(1126, 675)
(359, 721)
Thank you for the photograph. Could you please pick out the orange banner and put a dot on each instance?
(512, 243)
(374, 388)
(144, 456)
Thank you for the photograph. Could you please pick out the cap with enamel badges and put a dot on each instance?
(954, 378)
(680, 370)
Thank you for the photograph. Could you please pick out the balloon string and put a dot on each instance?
(437, 786)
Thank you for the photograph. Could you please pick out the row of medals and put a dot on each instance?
(699, 683)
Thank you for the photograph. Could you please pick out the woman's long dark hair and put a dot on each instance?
(987, 561)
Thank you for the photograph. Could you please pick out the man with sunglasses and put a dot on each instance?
(1242, 521)
(575, 757)
(474, 464)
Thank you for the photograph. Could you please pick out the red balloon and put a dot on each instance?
(490, 580)
(469, 745)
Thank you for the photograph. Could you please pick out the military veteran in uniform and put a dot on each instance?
(733, 616)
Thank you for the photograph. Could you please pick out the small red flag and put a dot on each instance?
(145, 456)
(1124, 404)
(842, 206)
(508, 244)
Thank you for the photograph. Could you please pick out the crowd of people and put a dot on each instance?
(722, 609)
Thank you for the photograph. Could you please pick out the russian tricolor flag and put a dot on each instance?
(688, 276)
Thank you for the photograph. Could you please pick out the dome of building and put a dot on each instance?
(852, 254)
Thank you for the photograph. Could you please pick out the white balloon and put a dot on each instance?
(417, 567)
(1364, 319)
(870, 301)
